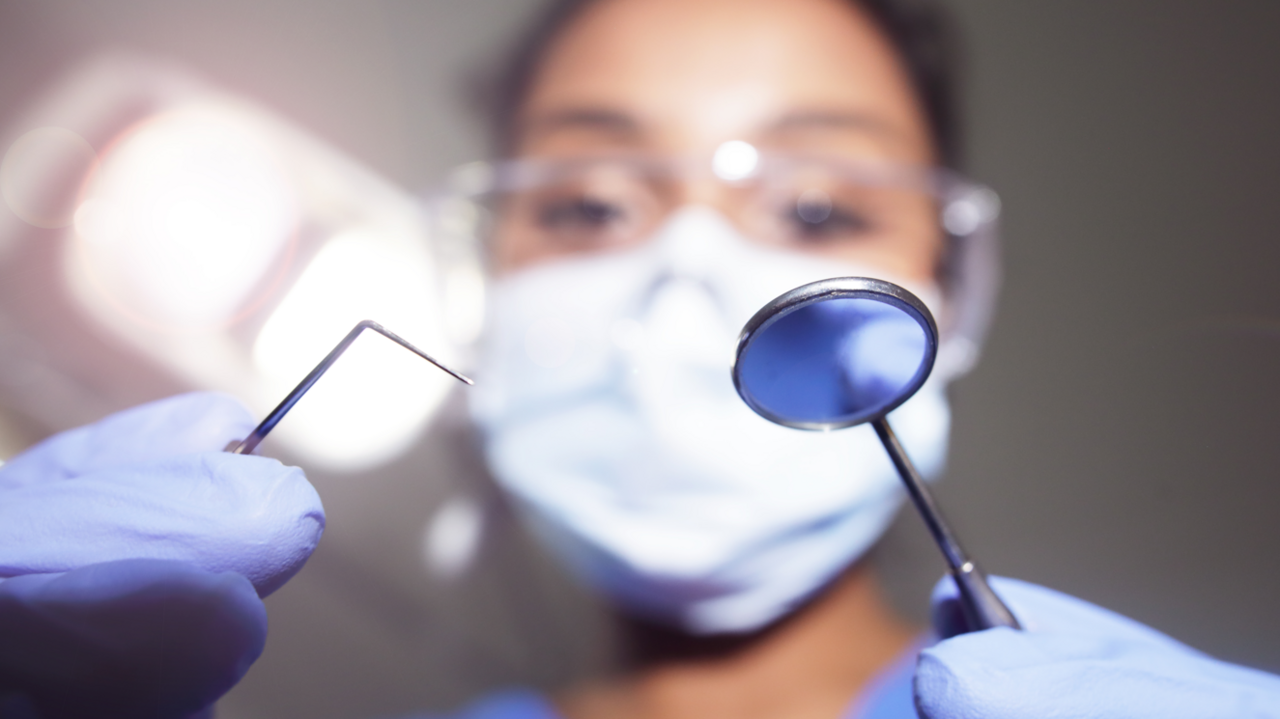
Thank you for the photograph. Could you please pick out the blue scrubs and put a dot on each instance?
(888, 696)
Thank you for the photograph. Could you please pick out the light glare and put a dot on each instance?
(370, 405)
(184, 218)
(41, 173)
(735, 160)
(452, 537)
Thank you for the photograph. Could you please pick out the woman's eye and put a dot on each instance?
(579, 213)
(815, 217)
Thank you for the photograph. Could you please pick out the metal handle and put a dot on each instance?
(982, 608)
(255, 437)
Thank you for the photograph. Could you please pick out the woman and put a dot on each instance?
(747, 587)
(677, 164)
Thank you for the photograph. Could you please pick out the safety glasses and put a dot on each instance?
(822, 204)
(806, 202)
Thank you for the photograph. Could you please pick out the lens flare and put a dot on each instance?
(41, 175)
(735, 160)
(373, 402)
(183, 221)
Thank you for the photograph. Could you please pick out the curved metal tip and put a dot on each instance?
(251, 442)
(370, 324)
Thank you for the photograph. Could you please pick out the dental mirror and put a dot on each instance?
(844, 351)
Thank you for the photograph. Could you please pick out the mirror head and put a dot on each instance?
(835, 353)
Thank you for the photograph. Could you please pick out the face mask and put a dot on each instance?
(608, 411)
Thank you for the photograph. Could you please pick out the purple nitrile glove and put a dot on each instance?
(133, 553)
(136, 638)
(1074, 659)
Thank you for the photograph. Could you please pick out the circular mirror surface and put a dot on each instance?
(835, 353)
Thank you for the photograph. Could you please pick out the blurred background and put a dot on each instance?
(1118, 441)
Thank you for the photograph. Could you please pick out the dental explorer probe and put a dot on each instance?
(260, 432)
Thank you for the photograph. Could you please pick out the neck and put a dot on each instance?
(809, 666)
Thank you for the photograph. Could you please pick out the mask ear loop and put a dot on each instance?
(259, 433)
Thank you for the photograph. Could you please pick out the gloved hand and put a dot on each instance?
(1074, 659)
(134, 552)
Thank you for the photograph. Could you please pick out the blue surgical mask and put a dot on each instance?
(608, 411)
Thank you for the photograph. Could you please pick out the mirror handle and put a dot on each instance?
(982, 608)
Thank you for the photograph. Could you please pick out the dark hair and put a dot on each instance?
(918, 29)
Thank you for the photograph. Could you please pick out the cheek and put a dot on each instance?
(514, 245)
(507, 251)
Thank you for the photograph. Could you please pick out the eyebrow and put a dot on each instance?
(624, 126)
(601, 120)
(831, 120)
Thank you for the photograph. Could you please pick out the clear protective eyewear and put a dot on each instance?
(805, 202)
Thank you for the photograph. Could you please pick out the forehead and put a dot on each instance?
(685, 75)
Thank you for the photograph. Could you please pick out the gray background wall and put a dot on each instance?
(1118, 442)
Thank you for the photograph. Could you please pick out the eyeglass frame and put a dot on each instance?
(969, 270)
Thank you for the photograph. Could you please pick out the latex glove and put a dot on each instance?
(1074, 659)
(153, 482)
(150, 484)
(136, 638)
